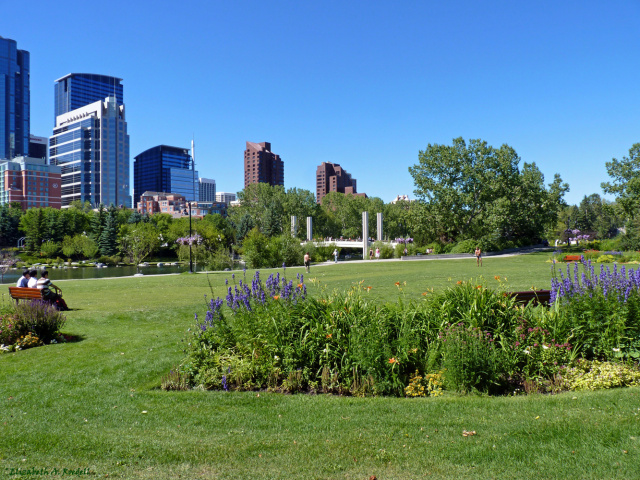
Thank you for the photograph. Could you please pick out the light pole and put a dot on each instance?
(190, 240)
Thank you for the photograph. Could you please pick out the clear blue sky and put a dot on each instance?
(366, 84)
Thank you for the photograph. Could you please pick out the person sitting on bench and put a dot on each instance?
(23, 281)
(33, 279)
(49, 295)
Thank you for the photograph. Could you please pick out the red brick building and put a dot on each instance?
(261, 165)
(30, 182)
(331, 177)
(171, 203)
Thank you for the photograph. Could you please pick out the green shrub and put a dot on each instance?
(465, 246)
(40, 318)
(386, 251)
(9, 330)
(606, 259)
(469, 359)
(49, 248)
(596, 375)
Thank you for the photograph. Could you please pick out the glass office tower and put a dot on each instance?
(91, 145)
(76, 90)
(15, 122)
(165, 169)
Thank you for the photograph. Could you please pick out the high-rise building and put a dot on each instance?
(261, 165)
(91, 145)
(225, 197)
(165, 169)
(207, 188)
(331, 177)
(15, 121)
(38, 147)
(30, 182)
(77, 90)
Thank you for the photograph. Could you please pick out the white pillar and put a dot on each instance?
(294, 225)
(379, 229)
(365, 234)
(309, 229)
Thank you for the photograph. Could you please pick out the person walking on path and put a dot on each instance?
(307, 262)
(371, 254)
(478, 254)
(335, 255)
(377, 254)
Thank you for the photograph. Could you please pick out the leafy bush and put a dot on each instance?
(469, 359)
(465, 246)
(9, 331)
(39, 318)
(606, 259)
(596, 375)
(50, 249)
(386, 251)
(320, 253)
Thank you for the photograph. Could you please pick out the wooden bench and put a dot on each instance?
(21, 293)
(542, 297)
(572, 258)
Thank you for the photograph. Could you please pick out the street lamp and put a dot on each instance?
(190, 240)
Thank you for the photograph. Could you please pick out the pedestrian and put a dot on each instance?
(377, 254)
(478, 254)
(335, 255)
(307, 262)
(371, 254)
(23, 281)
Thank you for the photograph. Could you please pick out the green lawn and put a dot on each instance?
(80, 405)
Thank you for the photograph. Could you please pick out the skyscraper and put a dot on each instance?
(15, 122)
(261, 165)
(331, 177)
(165, 169)
(207, 190)
(76, 90)
(91, 145)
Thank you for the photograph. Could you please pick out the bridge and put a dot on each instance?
(358, 243)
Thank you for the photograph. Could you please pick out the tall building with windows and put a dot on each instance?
(15, 121)
(76, 90)
(91, 146)
(165, 169)
(331, 177)
(207, 189)
(261, 165)
(225, 197)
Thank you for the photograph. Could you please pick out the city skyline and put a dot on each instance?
(555, 82)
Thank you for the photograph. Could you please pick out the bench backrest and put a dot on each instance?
(24, 293)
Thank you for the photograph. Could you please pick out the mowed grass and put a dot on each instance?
(80, 405)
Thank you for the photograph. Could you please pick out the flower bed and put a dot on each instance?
(274, 336)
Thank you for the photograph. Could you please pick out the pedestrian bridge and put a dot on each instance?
(358, 243)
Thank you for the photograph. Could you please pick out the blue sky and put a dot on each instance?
(366, 84)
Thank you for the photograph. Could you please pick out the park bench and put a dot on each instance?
(536, 296)
(572, 258)
(21, 293)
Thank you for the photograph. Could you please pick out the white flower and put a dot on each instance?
(616, 349)
(545, 347)
(527, 352)
(53, 341)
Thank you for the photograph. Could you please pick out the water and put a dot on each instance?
(12, 276)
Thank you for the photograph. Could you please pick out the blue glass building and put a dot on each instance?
(165, 169)
(91, 145)
(15, 122)
(76, 90)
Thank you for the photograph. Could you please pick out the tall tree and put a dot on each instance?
(473, 190)
(625, 184)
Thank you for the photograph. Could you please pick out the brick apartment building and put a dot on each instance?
(30, 182)
(261, 165)
(331, 177)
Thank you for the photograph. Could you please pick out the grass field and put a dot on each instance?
(96, 404)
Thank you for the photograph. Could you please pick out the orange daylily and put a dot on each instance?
(393, 360)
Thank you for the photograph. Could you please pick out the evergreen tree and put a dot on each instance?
(108, 241)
